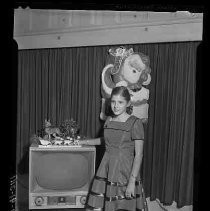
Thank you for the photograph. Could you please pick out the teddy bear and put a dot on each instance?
(129, 69)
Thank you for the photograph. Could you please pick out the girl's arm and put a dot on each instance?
(95, 141)
(136, 167)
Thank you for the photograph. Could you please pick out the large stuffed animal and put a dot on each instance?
(131, 70)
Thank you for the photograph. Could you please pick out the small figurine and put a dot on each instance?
(51, 131)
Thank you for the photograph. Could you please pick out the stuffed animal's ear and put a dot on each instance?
(146, 82)
(47, 123)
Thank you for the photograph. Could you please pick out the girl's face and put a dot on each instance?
(119, 104)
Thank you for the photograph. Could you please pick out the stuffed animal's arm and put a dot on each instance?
(139, 102)
(103, 107)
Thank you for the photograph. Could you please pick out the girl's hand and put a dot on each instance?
(130, 190)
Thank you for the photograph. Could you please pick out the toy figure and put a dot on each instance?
(132, 71)
(51, 131)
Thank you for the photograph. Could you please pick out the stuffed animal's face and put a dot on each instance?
(132, 68)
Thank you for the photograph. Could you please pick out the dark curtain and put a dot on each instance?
(169, 146)
(64, 83)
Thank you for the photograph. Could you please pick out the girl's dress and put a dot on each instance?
(108, 188)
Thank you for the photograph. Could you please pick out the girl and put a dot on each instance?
(117, 185)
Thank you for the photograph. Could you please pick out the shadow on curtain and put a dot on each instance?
(64, 83)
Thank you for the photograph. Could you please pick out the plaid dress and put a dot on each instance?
(109, 184)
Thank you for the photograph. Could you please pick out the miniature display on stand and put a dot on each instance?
(66, 134)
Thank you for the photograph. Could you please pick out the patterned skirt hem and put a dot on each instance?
(104, 193)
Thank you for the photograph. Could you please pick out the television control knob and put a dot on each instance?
(39, 200)
(83, 200)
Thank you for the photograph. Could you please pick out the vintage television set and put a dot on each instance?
(60, 176)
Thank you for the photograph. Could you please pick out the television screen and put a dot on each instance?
(60, 176)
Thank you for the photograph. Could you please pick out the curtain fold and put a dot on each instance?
(169, 146)
(59, 84)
